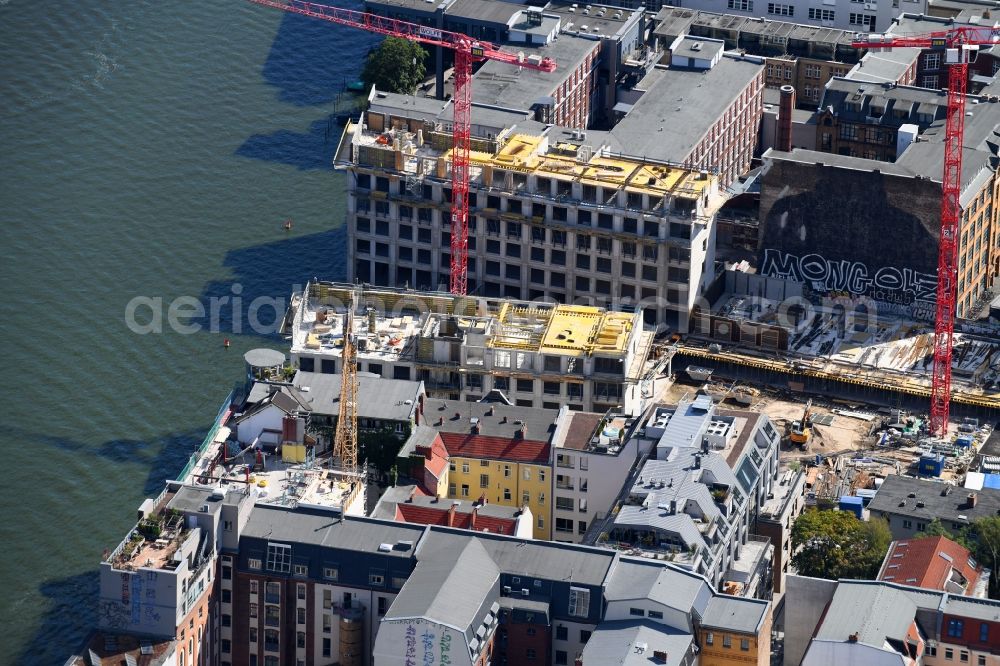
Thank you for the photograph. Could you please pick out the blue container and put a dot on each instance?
(930, 465)
(853, 504)
(964, 441)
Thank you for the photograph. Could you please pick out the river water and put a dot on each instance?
(148, 150)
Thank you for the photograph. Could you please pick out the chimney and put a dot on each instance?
(440, 421)
(476, 429)
(972, 500)
(522, 432)
(578, 661)
(417, 413)
(503, 419)
(697, 461)
(472, 518)
(853, 638)
(785, 108)
(451, 515)
(489, 412)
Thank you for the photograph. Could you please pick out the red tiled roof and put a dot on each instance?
(920, 562)
(469, 445)
(424, 515)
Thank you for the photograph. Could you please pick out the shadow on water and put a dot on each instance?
(163, 456)
(311, 60)
(70, 615)
(312, 150)
(264, 277)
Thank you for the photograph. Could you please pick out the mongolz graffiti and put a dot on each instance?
(888, 284)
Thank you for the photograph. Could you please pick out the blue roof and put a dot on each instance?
(849, 499)
(992, 481)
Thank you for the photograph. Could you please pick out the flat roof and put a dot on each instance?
(736, 614)
(378, 397)
(563, 330)
(483, 11)
(329, 529)
(669, 120)
(510, 86)
(602, 20)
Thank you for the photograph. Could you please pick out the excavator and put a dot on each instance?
(801, 430)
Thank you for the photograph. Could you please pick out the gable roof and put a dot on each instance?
(927, 562)
(932, 500)
(496, 448)
(875, 613)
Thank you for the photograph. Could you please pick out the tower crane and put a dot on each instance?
(467, 51)
(345, 440)
(958, 44)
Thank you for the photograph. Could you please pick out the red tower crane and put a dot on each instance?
(467, 50)
(957, 43)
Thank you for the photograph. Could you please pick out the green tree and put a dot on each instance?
(936, 528)
(835, 544)
(397, 65)
(984, 540)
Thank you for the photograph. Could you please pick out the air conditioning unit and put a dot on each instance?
(506, 589)
(524, 592)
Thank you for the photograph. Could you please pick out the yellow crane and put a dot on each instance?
(801, 429)
(345, 442)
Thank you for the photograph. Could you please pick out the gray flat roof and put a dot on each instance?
(264, 357)
(735, 614)
(190, 499)
(699, 47)
(328, 529)
(607, 25)
(508, 86)
(833, 160)
(538, 559)
(674, 21)
(539, 422)
(675, 113)
(417, 6)
(937, 500)
(484, 11)
(632, 643)
(378, 398)
(885, 66)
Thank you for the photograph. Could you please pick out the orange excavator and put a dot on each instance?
(801, 429)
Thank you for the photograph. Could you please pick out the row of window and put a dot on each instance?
(727, 641)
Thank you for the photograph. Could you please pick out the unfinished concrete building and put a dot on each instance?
(529, 355)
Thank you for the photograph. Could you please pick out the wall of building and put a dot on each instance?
(507, 484)
(805, 601)
(869, 234)
(727, 648)
(428, 643)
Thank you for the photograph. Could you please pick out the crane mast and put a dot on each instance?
(957, 43)
(467, 50)
(345, 441)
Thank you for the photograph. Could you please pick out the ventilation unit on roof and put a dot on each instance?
(696, 46)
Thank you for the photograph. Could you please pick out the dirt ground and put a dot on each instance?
(844, 434)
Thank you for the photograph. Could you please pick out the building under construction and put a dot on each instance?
(529, 354)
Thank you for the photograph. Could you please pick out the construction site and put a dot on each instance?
(846, 446)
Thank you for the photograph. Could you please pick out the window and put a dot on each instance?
(562, 633)
(727, 641)
(253, 563)
(656, 615)
(564, 503)
(579, 602)
(465, 468)
(272, 616)
(820, 15)
(272, 593)
(326, 647)
(932, 60)
(561, 657)
(465, 490)
(710, 638)
(484, 480)
(300, 616)
(541, 477)
(745, 644)
(955, 628)
(638, 612)
(564, 525)
(383, 606)
(526, 385)
(963, 656)
(981, 660)
(740, 5)
(227, 596)
(529, 653)
(253, 609)
(867, 20)
(302, 570)
(376, 579)
(984, 632)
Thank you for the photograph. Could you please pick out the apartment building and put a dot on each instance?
(161, 582)
(499, 454)
(870, 622)
(593, 456)
(802, 56)
(534, 354)
(909, 504)
(695, 502)
(776, 517)
(875, 121)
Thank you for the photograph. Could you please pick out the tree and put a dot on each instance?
(835, 544)
(985, 545)
(397, 65)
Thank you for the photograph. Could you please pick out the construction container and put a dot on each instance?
(853, 504)
(931, 464)
(964, 441)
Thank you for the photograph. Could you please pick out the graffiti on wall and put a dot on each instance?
(903, 290)
(422, 646)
